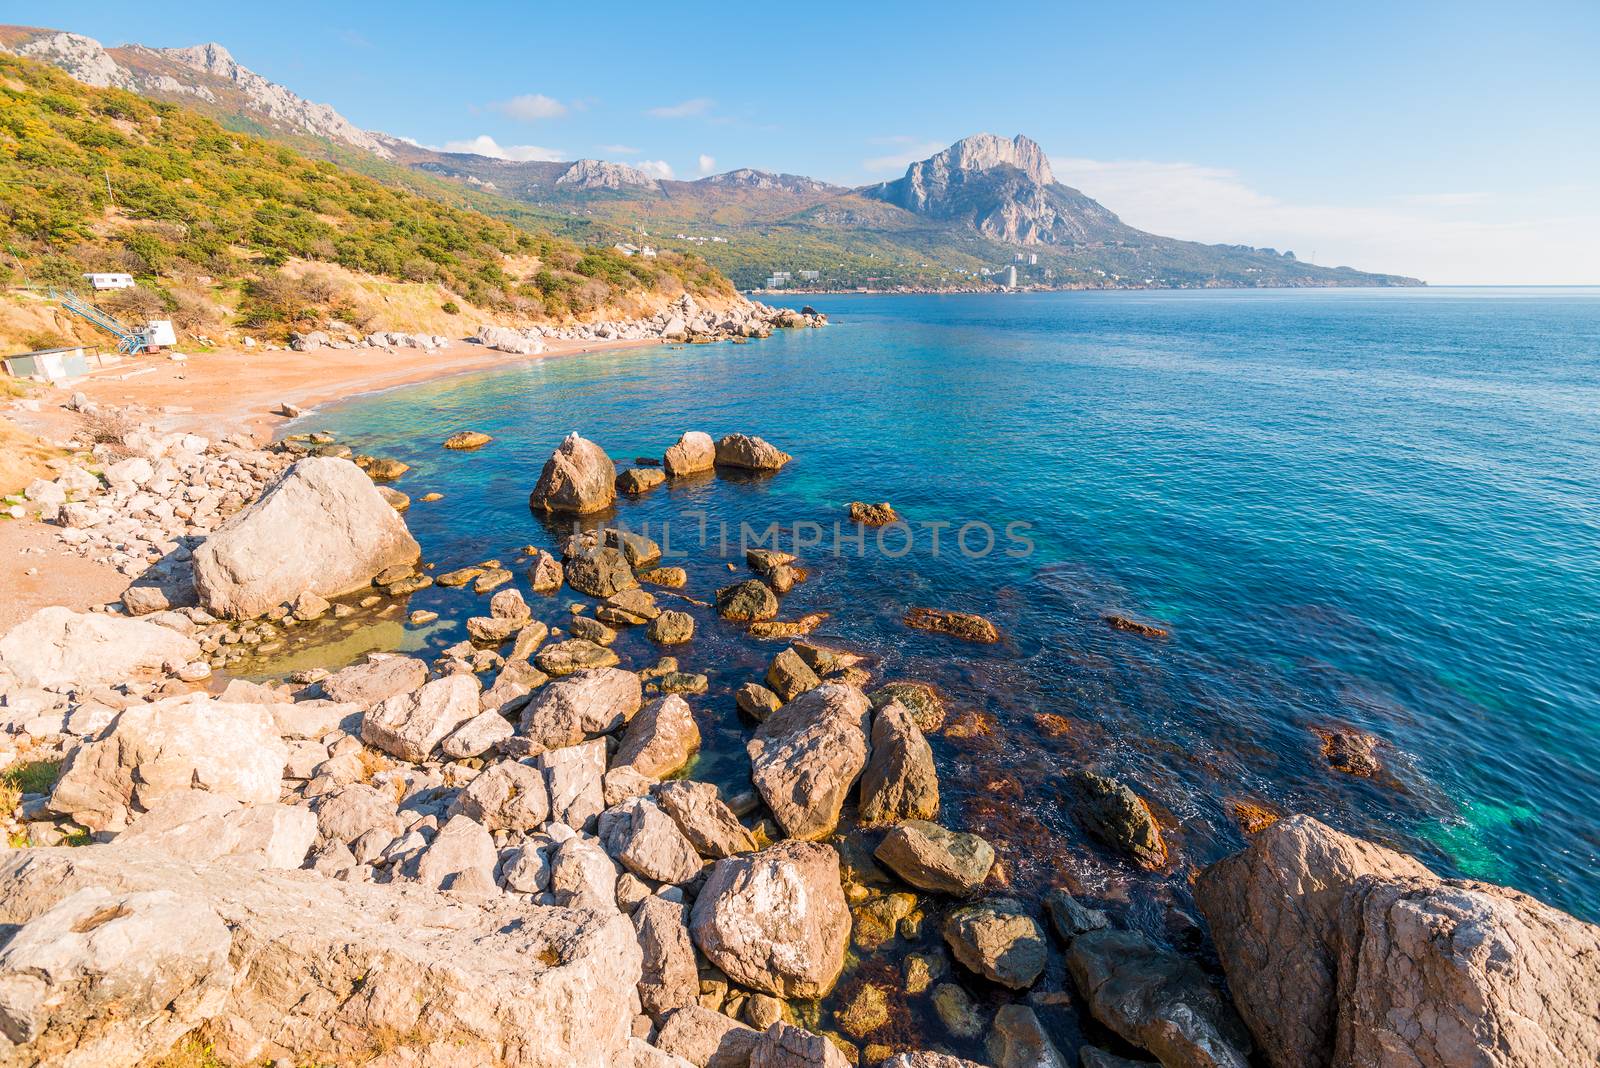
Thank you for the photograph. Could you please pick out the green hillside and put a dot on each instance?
(205, 217)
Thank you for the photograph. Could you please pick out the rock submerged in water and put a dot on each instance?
(748, 601)
(1350, 751)
(873, 515)
(467, 440)
(933, 858)
(579, 478)
(998, 940)
(1120, 818)
(964, 625)
(323, 526)
(1134, 626)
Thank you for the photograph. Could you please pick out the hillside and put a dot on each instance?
(220, 227)
(979, 207)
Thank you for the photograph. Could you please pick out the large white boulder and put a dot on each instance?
(59, 647)
(322, 527)
(152, 751)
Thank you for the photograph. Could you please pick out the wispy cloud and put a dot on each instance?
(909, 151)
(618, 150)
(686, 109)
(1547, 238)
(530, 107)
(1446, 200)
(707, 163)
(655, 168)
(484, 145)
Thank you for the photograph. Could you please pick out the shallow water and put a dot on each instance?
(1378, 509)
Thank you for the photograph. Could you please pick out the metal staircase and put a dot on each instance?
(128, 341)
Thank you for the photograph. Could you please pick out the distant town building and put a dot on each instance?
(1008, 277)
(810, 276)
(110, 280)
(1033, 259)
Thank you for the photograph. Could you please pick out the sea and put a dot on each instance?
(1373, 511)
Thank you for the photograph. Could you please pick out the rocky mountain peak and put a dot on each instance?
(81, 57)
(984, 151)
(600, 174)
(749, 178)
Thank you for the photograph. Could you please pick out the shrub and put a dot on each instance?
(450, 307)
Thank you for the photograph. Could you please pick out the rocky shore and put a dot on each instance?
(501, 856)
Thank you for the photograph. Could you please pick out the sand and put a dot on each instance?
(213, 394)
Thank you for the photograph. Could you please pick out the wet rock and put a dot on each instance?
(899, 782)
(1339, 951)
(322, 527)
(998, 940)
(872, 515)
(1113, 813)
(591, 630)
(1156, 1000)
(806, 756)
(1350, 751)
(756, 701)
(1094, 1057)
(681, 682)
(671, 577)
(1069, 917)
(376, 681)
(1134, 626)
(507, 796)
(59, 647)
(785, 1046)
(628, 608)
(956, 1010)
(491, 578)
(671, 628)
(930, 857)
(575, 779)
(660, 739)
(382, 468)
(749, 453)
(467, 439)
(789, 676)
(637, 481)
(579, 478)
(168, 747)
(775, 921)
(459, 577)
(876, 921)
(694, 452)
(707, 1038)
(963, 625)
(1018, 1040)
(545, 573)
(705, 820)
(747, 601)
(411, 725)
(574, 655)
(786, 628)
(670, 979)
(600, 572)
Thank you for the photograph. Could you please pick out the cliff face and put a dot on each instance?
(598, 174)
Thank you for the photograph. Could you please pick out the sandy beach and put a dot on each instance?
(213, 394)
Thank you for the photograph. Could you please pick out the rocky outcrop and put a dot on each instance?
(1341, 953)
(900, 782)
(695, 452)
(600, 174)
(660, 739)
(292, 965)
(154, 750)
(807, 755)
(59, 647)
(776, 921)
(930, 857)
(579, 478)
(322, 527)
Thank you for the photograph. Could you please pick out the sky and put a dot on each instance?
(1456, 142)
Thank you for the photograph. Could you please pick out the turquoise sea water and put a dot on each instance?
(1374, 509)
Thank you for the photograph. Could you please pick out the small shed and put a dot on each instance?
(49, 365)
(110, 280)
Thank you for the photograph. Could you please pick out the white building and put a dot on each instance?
(110, 280)
(1007, 277)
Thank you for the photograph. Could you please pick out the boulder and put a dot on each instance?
(545, 573)
(1341, 952)
(785, 1046)
(322, 526)
(646, 841)
(411, 725)
(628, 608)
(872, 515)
(1070, 917)
(506, 339)
(660, 739)
(694, 452)
(925, 1059)
(1019, 1040)
(354, 810)
(707, 1039)
(600, 572)
(199, 826)
(59, 647)
(789, 676)
(582, 876)
(569, 709)
(998, 940)
(749, 453)
(579, 478)
(747, 601)
(461, 857)
(1158, 1001)
(507, 796)
(930, 857)
(704, 818)
(964, 625)
(671, 628)
(478, 735)
(574, 655)
(637, 481)
(467, 439)
(575, 779)
(775, 921)
(1113, 813)
(900, 782)
(171, 746)
(670, 979)
(756, 701)
(481, 982)
(806, 756)
(920, 699)
(376, 681)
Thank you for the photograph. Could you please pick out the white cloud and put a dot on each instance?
(531, 107)
(686, 109)
(911, 151)
(707, 163)
(619, 150)
(484, 145)
(1549, 237)
(655, 168)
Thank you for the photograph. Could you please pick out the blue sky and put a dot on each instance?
(1459, 142)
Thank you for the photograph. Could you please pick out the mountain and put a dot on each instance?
(961, 218)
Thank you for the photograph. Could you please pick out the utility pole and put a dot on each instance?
(109, 194)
